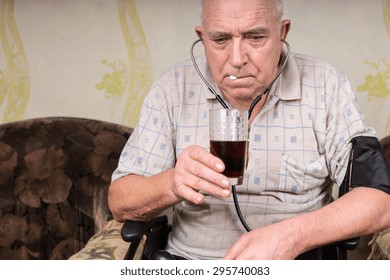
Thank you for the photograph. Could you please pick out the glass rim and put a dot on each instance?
(228, 111)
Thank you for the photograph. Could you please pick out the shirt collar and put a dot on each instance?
(289, 87)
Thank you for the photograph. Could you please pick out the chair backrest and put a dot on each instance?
(385, 142)
(54, 177)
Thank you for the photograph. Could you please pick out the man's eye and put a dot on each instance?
(255, 37)
(220, 40)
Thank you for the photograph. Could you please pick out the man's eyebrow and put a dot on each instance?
(219, 34)
(257, 30)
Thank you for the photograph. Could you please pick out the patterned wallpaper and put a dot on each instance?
(129, 82)
(377, 84)
(15, 78)
(98, 58)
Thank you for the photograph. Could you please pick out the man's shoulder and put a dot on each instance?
(314, 67)
(304, 61)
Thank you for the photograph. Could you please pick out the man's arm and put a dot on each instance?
(360, 212)
(135, 197)
(138, 198)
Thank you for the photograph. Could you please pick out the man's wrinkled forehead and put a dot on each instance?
(239, 16)
(213, 9)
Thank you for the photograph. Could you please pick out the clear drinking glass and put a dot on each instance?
(229, 141)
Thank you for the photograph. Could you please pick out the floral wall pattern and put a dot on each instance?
(134, 77)
(377, 85)
(14, 74)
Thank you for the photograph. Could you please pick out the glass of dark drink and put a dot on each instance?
(229, 141)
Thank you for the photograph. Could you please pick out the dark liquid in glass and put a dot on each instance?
(232, 153)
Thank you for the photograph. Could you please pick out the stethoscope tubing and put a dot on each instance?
(251, 107)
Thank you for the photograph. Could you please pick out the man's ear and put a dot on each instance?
(199, 31)
(286, 26)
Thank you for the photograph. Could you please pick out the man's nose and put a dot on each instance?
(238, 53)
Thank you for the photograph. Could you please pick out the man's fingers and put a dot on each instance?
(231, 254)
(197, 184)
(201, 155)
(189, 194)
(198, 170)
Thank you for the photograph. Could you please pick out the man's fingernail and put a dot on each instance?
(225, 182)
(226, 192)
(219, 166)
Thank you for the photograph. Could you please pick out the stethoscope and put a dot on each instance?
(251, 107)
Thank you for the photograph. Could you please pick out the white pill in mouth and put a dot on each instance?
(232, 77)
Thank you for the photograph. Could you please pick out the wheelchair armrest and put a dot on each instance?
(133, 230)
(155, 230)
(349, 244)
(346, 245)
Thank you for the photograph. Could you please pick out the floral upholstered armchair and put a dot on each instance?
(54, 177)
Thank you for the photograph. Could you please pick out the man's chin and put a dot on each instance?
(240, 95)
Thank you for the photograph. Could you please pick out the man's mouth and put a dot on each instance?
(232, 77)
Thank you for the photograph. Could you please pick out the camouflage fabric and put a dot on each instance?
(107, 244)
(380, 245)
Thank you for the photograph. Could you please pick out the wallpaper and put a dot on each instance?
(15, 78)
(377, 85)
(129, 82)
(98, 58)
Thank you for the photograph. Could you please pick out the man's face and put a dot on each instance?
(242, 39)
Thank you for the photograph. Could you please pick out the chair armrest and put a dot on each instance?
(155, 230)
(350, 244)
(133, 230)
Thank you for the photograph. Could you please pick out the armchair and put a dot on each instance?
(54, 178)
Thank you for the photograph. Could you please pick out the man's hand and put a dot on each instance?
(267, 243)
(198, 171)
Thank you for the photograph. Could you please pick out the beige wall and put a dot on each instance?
(97, 58)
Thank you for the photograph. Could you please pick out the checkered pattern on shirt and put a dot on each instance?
(299, 145)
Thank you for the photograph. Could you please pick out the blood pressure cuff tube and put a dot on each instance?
(369, 167)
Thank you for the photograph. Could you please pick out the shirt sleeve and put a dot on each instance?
(344, 121)
(151, 147)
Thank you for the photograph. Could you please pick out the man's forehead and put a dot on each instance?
(235, 5)
(237, 12)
